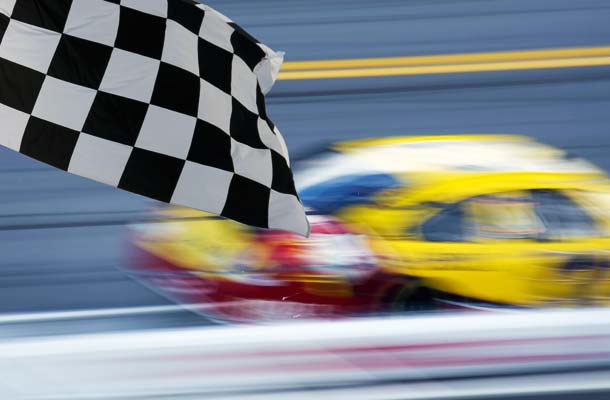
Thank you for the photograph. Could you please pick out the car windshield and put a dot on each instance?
(329, 196)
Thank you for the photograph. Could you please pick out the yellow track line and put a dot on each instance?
(445, 64)
(448, 58)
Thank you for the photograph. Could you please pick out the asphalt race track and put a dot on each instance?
(62, 237)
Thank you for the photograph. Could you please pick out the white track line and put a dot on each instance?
(100, 313)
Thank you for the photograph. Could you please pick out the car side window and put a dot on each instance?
(500, 216)
(445, 226)
(562, 217)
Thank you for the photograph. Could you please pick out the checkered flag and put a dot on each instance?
(163, 98)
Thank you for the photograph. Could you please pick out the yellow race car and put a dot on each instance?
(401, 223)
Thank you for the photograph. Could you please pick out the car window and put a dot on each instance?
(537, 214)
(562, 217)
(500, 216)
(446, 226)
(510, 215)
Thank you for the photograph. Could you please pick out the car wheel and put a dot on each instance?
(412, 297)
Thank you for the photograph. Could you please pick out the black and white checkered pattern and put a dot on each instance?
(164, 98)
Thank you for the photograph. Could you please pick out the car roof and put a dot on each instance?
(402, 156)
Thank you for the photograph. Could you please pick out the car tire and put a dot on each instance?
(412, 297)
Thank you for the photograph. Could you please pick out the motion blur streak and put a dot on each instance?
(441, 357)
(73, 260)
(522, 55)
(447, 64)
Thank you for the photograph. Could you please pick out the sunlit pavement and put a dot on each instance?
(418, 357)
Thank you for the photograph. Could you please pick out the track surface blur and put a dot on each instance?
(62, 237)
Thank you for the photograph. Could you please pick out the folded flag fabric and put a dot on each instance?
(163, 98)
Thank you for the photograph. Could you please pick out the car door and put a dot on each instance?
(578, 245)
(506, 247)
